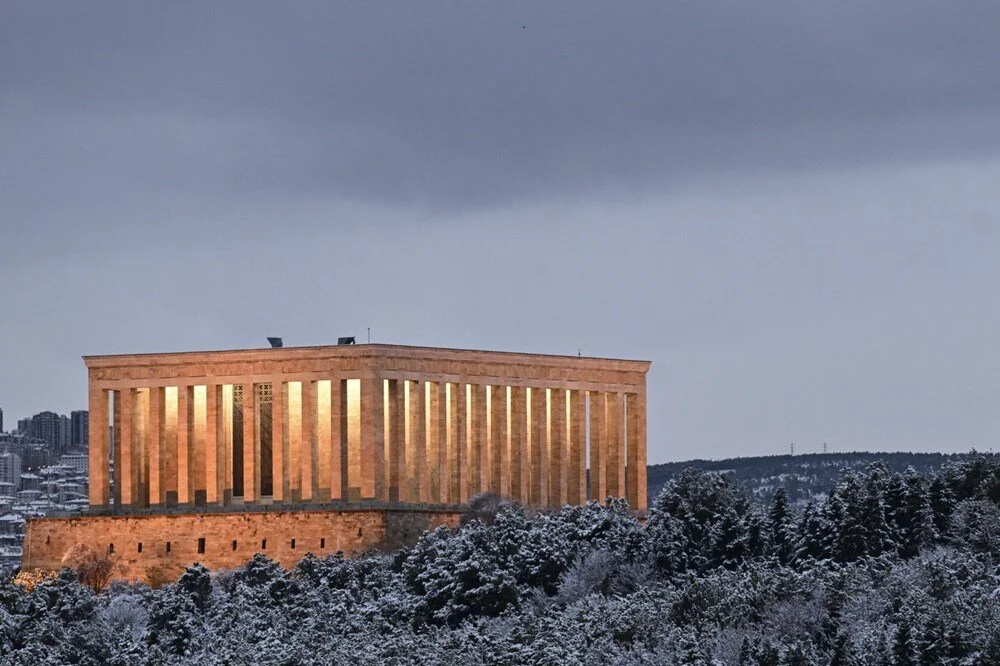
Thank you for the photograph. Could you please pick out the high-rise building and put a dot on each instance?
(79, 428)
(49, 426)
(10, 468)
(1, 419)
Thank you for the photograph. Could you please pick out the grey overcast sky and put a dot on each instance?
(791, 208)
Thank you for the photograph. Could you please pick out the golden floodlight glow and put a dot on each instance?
(353, 421)
(523, 424)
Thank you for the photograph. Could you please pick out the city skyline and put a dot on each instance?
(789, 209)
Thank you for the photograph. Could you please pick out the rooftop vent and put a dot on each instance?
(275, 342)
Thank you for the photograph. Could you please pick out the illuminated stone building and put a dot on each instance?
(351, 428)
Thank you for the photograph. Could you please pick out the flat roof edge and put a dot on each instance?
(372, 349)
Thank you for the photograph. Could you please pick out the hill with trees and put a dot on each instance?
(888, 568)
(804, 477)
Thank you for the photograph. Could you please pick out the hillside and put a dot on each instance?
(803, 476)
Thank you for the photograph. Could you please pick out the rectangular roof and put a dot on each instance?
(363, 351)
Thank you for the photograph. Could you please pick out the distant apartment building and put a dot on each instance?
(79, 428)
(10, 468)
(1, 419)
(50, 427)
(80, 462)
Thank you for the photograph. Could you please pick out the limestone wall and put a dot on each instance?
(228, 539)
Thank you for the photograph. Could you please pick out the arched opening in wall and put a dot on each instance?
(168, 546)
(293, 544)
(322, 543)
(263, 544)
(201, 546)
(139, 547)
(111, 549)
(234, 544)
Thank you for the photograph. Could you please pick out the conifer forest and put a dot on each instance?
(888, 568)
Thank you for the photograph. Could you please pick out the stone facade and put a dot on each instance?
(226, 540)
(312, 443)
(367, 422)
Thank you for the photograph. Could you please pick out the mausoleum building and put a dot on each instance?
(354, 427)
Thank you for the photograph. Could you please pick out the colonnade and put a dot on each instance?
(281, 439)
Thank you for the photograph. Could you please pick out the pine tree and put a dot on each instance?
(903, 651)
(943, 503)
(811, 535)
(915, 517)
(879, 537)
(780, 528)
(848, 533)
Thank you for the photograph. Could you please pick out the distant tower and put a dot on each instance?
(824, 447)
(791, 448)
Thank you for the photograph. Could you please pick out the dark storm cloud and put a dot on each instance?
(790, 207)
(481, 103)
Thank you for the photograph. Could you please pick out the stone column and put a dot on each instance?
(170, 445)
(154, 445)
(185, 445)
(324, 443)
(398, 490)
(576, 479)
(114, 405)
(279, 441)
(198, 428)
(371, 485)
(520, 470)
(598, 446)
(616, 445)
(539, 493)
(140, 449)
(478, 455)
(636, 469)
(215, 457)
(293, 422)
(251, 445)
(434, 441)
(416, 444)
(338, 434)
(458, 438)
(499, 445)
(308, 439)
(558, 447)
(99, 487)
(125, 435)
